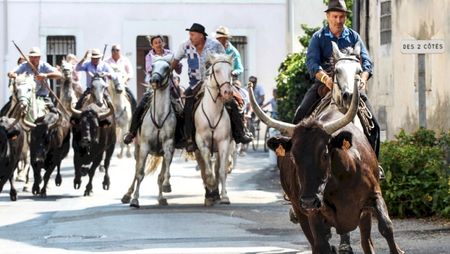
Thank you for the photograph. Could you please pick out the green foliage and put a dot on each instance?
(417, 174)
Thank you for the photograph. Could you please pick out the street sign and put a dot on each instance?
(422, 46)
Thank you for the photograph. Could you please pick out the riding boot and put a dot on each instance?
(189, 127)
(310, 100)
(6, 107)
(240, 133)
(136, 119)
(131, 98)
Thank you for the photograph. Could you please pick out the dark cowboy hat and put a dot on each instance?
(337, 5)
(197, 28)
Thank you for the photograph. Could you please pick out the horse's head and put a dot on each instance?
(121, 81)
(220, 76)
(98, 87)
(161, 69)
(24, 89)
(67, 69)
(347, 67)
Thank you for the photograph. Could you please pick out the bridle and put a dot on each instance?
(218, 84)
(164, 78)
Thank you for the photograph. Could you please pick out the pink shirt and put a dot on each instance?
(149, 59)
(123, 64)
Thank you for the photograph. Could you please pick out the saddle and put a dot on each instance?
(364, 114)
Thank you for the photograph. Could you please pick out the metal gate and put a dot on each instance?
(57, 49)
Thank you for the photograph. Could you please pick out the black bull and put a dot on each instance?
(94, 134)
(11, 142)
(50, 143)
(330, 175)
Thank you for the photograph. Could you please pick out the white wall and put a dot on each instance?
(395, 82)
(95, 23)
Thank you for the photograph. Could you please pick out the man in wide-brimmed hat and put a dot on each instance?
(45, 71)
(223, 36)
(320, 66)
(196, 50)
(94, 66)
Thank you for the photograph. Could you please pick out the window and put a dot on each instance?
(385, 23)
(57, 49)
(142, 48)
(240, 42)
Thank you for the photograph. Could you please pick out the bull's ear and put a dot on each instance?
(343, 141)
(104, 123)
(275, 142)
(13, 134)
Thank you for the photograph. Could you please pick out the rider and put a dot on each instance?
(320, 67)
(94, 66)
(123, 64)
(44, 70)
(196, 50)
(223, 36)
(76, 84)
(158, 49)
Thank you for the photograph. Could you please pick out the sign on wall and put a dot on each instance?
(422, 46)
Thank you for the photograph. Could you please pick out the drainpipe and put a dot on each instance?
(367, 24)
(5, 90)
(356, 16)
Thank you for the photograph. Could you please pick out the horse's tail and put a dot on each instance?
(152, 164)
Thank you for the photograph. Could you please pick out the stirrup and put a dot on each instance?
(381, 176)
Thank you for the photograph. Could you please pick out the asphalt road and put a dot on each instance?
(256, 221)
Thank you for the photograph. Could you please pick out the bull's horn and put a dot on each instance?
(75, 112)
(110, 111)
(27, 123)
(333, 126)
(285, 128)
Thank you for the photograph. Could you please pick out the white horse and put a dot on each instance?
(29, 107)
(122, 106)
(213, 129)
(67, 95)
(156, 135)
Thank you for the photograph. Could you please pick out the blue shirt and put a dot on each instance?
(237, 63)
(41, 89)
(320, 51)
(197, 62)
(100, 68)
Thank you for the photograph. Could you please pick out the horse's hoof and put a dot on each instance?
(163, 202)
(76, 184)
(134, 203)
(43, 194)
(209, 202)
(167, 188)
(345, 249)
(58, 180)
(126, 199)
(87, 193)
(225, 201)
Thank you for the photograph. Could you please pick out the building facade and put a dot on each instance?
(261, 30)
(408, 90)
